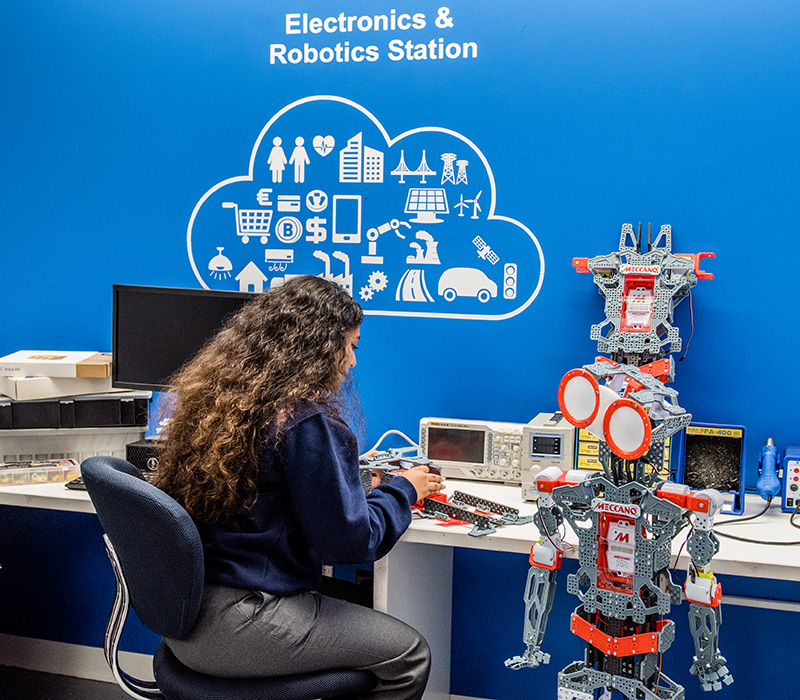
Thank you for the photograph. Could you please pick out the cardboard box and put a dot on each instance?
(31, 388)
(55, 363)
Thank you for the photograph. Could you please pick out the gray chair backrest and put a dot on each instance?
(156, 541)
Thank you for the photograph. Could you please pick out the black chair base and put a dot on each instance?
(177, 682)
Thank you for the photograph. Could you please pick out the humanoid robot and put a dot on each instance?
(627, 516)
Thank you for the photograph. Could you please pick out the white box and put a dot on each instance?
(55, 363)
(29, 388)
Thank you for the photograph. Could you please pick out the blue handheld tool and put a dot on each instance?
(768, 484)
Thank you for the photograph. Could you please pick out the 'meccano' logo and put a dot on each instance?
(630, 510)
(640, 269)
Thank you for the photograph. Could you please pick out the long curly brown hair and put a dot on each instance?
(282, 347)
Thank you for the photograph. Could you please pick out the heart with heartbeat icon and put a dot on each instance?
(323, 145)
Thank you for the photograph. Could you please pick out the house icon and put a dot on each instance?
(251, 279)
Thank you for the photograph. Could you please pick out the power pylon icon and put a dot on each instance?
(462, 171)
(447, 172)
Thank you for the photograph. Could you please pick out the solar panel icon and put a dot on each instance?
(426, 203)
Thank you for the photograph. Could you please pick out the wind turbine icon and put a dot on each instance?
(463, 203)
(475, 206)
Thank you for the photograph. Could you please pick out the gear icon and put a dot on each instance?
(378, 280)
(366, 293)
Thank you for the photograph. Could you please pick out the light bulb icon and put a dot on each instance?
(220, 266)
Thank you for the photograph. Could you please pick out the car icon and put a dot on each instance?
(466, 282)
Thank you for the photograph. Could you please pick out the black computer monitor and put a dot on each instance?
(157, 329)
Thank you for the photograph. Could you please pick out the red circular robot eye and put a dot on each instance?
(579, 397)
(627, 429)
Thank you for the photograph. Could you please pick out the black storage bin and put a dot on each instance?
(90, 411)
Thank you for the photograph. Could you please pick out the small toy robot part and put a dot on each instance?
(626, 516)
(485, 516)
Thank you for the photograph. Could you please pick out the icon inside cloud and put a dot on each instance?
(406, 224)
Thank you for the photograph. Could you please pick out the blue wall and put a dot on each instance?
(121, 119)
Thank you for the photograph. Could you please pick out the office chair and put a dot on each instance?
(157, 558)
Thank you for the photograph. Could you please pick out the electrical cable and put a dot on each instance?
(392, 432)
(544, 527)
(791, 518)
(691, 327)
(745, 539)
(566, 546)
(748, 518)
(680, 551)
(751, 541)
(660, 660)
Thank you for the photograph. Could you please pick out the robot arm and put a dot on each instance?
(540, 589)
(704, 594)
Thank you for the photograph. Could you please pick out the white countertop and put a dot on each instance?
(734, 558)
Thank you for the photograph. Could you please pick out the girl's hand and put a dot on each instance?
(425, 482)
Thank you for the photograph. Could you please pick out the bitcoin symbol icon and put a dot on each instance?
(288, 229)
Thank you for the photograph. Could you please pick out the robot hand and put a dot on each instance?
(532, 658)
(711, 675)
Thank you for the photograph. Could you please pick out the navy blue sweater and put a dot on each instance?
(311, 510)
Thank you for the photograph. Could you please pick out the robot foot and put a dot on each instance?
(532, 658)
(712, 679)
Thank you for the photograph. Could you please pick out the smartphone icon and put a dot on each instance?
(346, 218)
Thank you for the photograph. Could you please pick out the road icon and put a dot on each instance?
(412, 287)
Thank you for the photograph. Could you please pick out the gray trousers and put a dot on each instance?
(245, 634)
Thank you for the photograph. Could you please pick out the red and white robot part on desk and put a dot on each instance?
(626, 516)
(484, 515)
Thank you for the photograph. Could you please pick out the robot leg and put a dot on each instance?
(709, 664)
(539, 592)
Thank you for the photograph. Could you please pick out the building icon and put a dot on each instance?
(373, 165)
(359, 163)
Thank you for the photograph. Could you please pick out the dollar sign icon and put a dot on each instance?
(316, 231)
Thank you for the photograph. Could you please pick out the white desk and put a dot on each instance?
(414, 582)
(52, 496)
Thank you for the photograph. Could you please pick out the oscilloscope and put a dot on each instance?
(511, 453)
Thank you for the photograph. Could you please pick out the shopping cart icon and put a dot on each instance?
(251, 222)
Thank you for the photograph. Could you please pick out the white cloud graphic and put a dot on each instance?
(406, 224)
